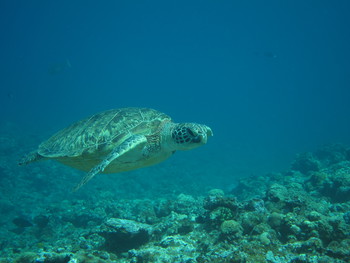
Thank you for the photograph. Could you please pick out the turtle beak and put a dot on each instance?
(207, 132)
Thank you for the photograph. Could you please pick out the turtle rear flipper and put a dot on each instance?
(29, 158)
(128, 145)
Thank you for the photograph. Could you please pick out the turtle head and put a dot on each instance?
(187, 136)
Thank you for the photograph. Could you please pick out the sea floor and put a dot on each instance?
(163, 214)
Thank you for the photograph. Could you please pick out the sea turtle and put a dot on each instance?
(119, 140)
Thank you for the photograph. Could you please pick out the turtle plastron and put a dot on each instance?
(128, 145)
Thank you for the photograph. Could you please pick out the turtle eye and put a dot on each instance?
(197, 139)
(194, 138)
(190, 132)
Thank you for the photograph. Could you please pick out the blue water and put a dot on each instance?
(271, 78)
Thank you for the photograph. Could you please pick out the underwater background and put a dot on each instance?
(271, 79)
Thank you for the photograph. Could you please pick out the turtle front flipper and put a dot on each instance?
(128, 145)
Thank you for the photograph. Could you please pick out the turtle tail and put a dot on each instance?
(29, 158)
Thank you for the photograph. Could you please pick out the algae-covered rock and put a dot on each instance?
(256, 205)
(185, 204)
(122, 235)
(346, 217)
(331, 154)
(339, 249)
(306, 163)
(317, 180)
(128, 226)
(265, 238)
(214, 201)
(277, 193)
(26, 257)
(21, 222)
(252, 187)
(337, 183)
(216, 192)
(249, 220)
(41, 221)
(45, 257)
(231, 227)
(314, 216)
(220, 214)
(275, 220)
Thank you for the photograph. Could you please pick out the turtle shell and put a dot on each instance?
(102, 132)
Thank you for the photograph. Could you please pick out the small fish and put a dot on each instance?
(10, 95)
(267, 54)
(59, 67)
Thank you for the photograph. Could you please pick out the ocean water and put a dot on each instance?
(271, 79)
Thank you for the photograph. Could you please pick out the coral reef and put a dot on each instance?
(300, 215)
